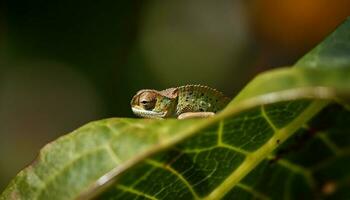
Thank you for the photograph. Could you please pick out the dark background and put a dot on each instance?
(65, 63)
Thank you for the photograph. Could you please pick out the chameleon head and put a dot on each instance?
(151, 104)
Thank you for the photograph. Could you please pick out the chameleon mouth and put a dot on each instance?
(148, 113)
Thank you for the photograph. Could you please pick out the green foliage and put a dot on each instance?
(244, 152)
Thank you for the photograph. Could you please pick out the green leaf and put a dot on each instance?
(332, 52)
(244, 152)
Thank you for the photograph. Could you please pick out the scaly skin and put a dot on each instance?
(188, 101)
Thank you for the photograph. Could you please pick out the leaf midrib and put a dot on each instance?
(253, 159)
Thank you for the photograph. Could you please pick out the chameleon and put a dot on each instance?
(189, 101)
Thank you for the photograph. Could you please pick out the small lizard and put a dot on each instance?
(190, 101)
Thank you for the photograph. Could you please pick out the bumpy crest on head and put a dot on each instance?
(171, 93)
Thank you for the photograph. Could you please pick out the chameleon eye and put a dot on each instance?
(144, 102)
(147, 100)
(148, 105)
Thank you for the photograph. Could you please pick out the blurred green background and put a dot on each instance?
(65, 63)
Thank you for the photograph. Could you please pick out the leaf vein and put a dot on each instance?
(176, 173)
(267, 118)
(329, 143)
(136, 192)
(249, 189)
